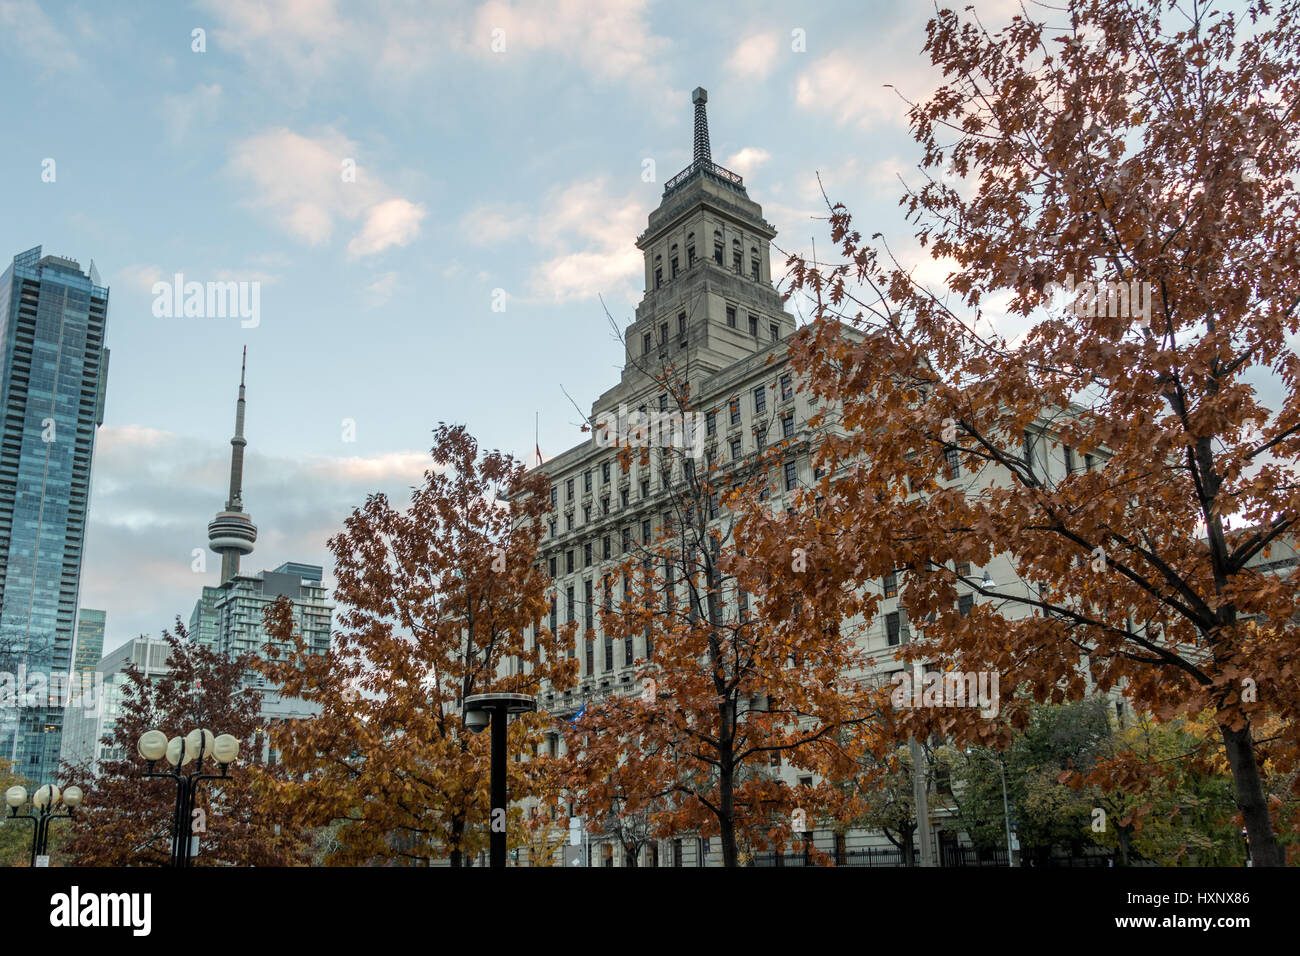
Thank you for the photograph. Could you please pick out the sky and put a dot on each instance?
(382, 173)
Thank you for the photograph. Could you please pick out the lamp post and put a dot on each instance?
(1006, 807)
(44, 802)
(154, 745)
(480, 709)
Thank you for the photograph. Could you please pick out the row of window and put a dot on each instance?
(737, 258)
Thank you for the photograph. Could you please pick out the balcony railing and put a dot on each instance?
(706, 166)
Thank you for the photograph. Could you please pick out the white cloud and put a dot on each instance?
(299, 182)
(755, 56)
(395, 222)
(381, 289)
(866, 93)
(184, 111)
(140, 277)
(747, 160)
(26, 29)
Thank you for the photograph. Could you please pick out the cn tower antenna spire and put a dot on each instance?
(232, 533)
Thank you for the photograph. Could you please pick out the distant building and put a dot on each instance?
(90, 640)
(53, 372)
(203, 620)
(86, 727)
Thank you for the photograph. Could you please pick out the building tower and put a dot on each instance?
(53, 372)
(232, 532)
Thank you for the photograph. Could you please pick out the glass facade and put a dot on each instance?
(53, 370)
(90, 640)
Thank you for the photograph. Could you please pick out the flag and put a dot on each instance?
(538, 449)
(581, 710)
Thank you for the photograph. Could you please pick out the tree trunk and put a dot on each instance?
(727, 818)
(457, 831)
(1240, 747)
(1125, 834)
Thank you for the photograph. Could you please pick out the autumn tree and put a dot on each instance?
(127, 819)
(1104, 396)
(736, 679)
(437, 603)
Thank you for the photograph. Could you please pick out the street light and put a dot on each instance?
(45, 801)
(479, 709)
(179, 751)
(1006, 809)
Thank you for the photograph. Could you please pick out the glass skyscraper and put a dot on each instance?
(53, 370)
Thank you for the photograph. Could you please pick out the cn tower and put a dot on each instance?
(232, 532)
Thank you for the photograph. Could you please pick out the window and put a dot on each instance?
(663, 403)
(964, 569)
(604, 505)
(659, 276)
(760, 439)
(774, 330)
(645, 488)
(586, 514)
(645, 531)
(1031, 452)
(717, 248)
(622, 497)
(787, 425)
(713, 508)
(551, 564)
(626, 539)
(760, 400)
(753, 269)
(674, 267)
(604, 472)
(589, 613)
(681, 325)
(646, 343)
(554, 622)
(742, 602)
(586, 555)
(711, 422)
(893, 628)
(791, 475)
(568, 489)
(586, 481)
(568, 521)
(734, 406)
(965, 603)
(570, 609)
(663, 333)
(1069, 460)
(787, 387)
(952, 463)
(568, 562)
(552, 525)
(735, 449)
(736, 255)
(555, 496)
(1087, 463)
(605, 547)
(731, 316)
(690, 256)
(609, 650)
(753, 326)
(891, 584)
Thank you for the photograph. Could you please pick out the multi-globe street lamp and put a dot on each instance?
(480, 709)
(45, 802)
(196, 745)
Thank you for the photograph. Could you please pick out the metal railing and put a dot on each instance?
(707, 166)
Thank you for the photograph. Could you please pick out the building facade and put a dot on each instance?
(53, 374)
(90, 640)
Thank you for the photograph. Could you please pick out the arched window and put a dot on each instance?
(690, 249)
(717, 248)
(673, 260)
(735, 254)
(753, 263)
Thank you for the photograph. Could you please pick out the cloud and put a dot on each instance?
(394, 222)
(183, 111)
(298, 181)
(155, 492)
(755, 56)
(747, 160)
(140, 278)
(381, 290)
(25, 28)
(866, 93)
(585, 231)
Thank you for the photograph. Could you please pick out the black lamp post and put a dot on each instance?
(223, 750)
(44, 802)
(481, 709)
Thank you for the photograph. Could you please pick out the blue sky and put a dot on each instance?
(476, 169)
